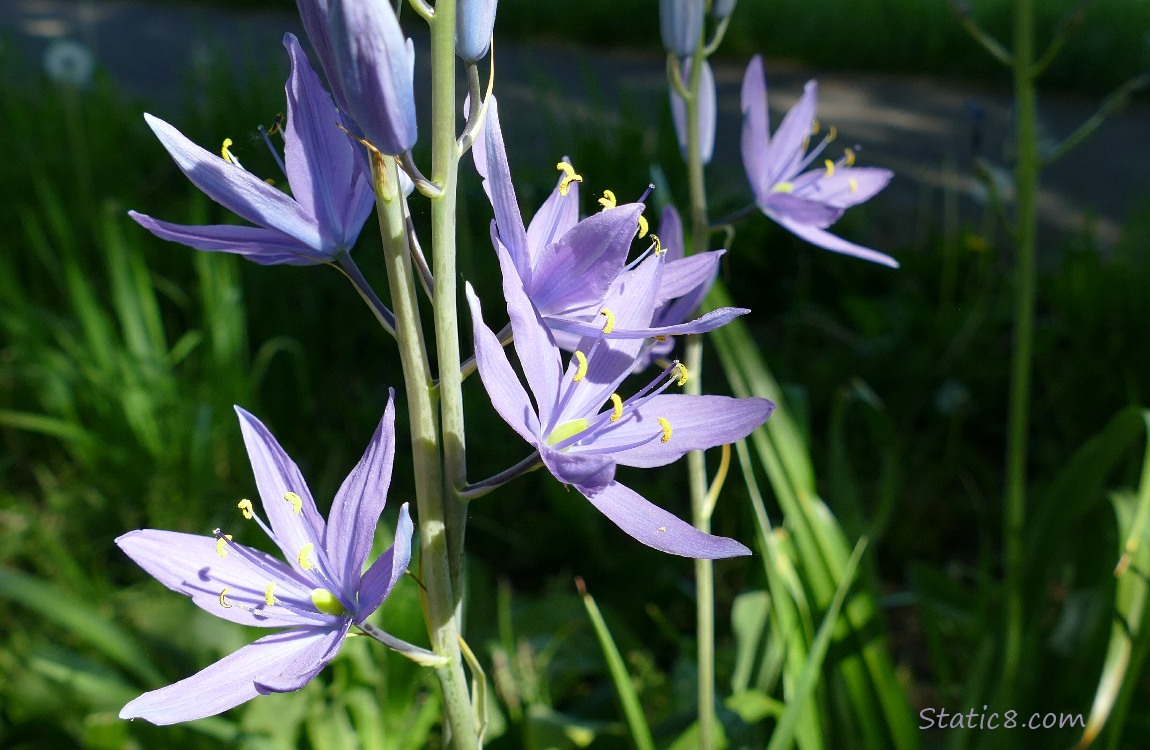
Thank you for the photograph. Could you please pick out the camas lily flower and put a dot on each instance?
(331, 195)
(582, 428)
(566, 266)
(803, 202)
(319, 594)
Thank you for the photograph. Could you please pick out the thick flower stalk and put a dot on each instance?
(803, 201)
(318, 594)
(330, 198)
(581, 426)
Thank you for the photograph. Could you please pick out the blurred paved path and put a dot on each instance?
(920, 127)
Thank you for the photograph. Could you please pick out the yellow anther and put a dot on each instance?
(296, 503)
(608, 200)
(581, 370)
(666, 429)
(683, 374)
(269, 596)
(245, 507)
(660, 338)
(569, 176)
(617, 403)
(270, 181)
(643, 226)
(224, 598)
(659, 249)
(806, 142)
(222, 545)
(815, 126)
(854, 184)
(661, 529)
(850, 156)
(610, 320)
(783, 187)
(304, 556)
(833, 134)
(226, 153)
(830, 167)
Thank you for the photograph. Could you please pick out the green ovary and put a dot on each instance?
(327, 602)
(567, 430)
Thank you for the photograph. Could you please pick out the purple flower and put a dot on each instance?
(331, 195)
(374, 65)
(706, 111)
(681, 25)
(319, 593)
(582, 427)
(474, 20)
(567, 267)
(803, 202)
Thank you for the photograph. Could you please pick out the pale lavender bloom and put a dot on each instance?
(374, 65)
(320, 592)
(567, 266)
(582, 427)
(331, 195)
(803, 202)
(474, 21)
(706, 111)
(681, 25)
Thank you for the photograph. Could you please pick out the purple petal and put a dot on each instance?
(264, 246)
(497, 181)
(702, 324)
(848, 186)
(306, 664)
(788, 147)
(657, 528)
(356, 508)
(756, 135)
(190, 564)
(229, 682)
(276, 475)
(381, 577)
(835, 244)
(671, 234)
(697, 423)
(800, 210)
(313, 13)
(558, 214)
(578, 269)
(706, 112)
(503, 387)
(236, 189)
(581, 469)
(684, 276)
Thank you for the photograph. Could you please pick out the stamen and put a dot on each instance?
(660, 338)
(783, 187)
(610, 320)
(608, 200)
(659, 249)
(304, 556)
(815, 126)
(854, 184)
(830, 167)
(569, 176)
(277, 126)
(270, 597)
(296, 503)
(222, 545)
(850, 156)
(245, 507)
(666, 429)
(582, 369)
(225, 152)
(833, 134)
(682, 374)
(224, 601)
(643, 226)
(617, 403)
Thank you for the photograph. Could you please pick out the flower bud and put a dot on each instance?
(706, 111)
(374, 66)
(474, 20)
(720, 9)
(681, 24)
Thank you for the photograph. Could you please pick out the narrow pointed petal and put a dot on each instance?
(385, 572)
(474, 21)
(307, 662)
(848, 186)
(558, 214)
(685, 275)
(257, 244)
(702, 324)
(697, 423)
(499, 378)
(657, 528)
(583, 470)
(706, 112)
(835, 244)
(375, 72)
(359, 502)
(276, 476)
(225, 684)
(787, 148)
(681, 25)
(236, 189)
(313, 13)
(800, 210)
(756, 125)
(497, 181)
(671, 234)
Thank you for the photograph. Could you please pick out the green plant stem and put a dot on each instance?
(696, 462)
(1026, 187)
(442, 625)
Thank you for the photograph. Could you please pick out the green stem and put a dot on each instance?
(696, 463)
(442, 625)
(1026, 186)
